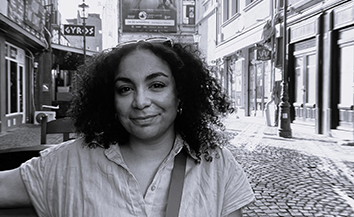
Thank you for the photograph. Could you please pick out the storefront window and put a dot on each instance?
(311, 79)
(347, 76)
(15, 80)
(20, 88)
(13, 87)
(299, 80)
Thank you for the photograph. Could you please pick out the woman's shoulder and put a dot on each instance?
(72, 145)
(222, 158)
(216, 156)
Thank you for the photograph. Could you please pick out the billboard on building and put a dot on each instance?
(149, 16)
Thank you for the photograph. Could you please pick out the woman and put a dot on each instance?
(137, 107)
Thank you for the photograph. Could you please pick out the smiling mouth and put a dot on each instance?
(147, 120)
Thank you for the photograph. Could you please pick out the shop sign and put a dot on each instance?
(263, 54)
(79, 30)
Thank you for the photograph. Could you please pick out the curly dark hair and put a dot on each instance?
(202, 99)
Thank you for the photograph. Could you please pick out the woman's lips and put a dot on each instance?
(144, 120)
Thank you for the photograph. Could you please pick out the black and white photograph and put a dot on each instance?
(176, 108)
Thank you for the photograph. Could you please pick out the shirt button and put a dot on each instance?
(153, 188)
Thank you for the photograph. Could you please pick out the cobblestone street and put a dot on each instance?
(307, 175)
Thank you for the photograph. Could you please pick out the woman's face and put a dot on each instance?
(145, 96)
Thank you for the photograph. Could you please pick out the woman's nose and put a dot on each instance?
(141, 99)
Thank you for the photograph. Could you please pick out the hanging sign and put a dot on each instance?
(79, 30)
(263, 54)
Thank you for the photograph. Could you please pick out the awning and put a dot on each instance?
(69, 58)
(73, 49)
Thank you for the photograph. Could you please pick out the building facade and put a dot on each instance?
(22, 43)
(37, 61)
(242, 40)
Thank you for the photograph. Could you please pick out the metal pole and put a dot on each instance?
(284, 129)
(272, 73)
(84, 25)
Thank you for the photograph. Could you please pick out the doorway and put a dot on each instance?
(259, 87)
(15, 102)
(305, 86)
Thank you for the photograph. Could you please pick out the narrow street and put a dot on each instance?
(306, 175)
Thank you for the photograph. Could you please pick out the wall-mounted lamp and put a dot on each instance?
(196, 38)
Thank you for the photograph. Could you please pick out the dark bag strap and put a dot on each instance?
(176, 186)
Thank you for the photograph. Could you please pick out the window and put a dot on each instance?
(15, 80)
(249, 2)
(230, 8)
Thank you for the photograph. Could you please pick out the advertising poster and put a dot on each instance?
(149, 15)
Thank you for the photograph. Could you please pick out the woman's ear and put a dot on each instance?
(179, 107)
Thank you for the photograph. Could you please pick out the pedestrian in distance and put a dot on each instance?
(276, 94)
(142, 110)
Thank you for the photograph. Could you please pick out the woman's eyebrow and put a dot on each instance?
(149, 77)
(155, 75)
(126, 80)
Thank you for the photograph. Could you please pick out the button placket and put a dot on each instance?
(153, 188)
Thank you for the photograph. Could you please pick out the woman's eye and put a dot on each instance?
(158, 85)
(124, 90)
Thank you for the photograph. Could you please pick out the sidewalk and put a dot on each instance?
(299, 130)
(26, 135)
(29, 134)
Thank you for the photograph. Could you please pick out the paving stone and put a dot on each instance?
(290, 176)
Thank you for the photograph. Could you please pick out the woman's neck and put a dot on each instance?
(151, 149)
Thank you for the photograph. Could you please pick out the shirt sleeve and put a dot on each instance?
(34, 173)
(33, 179)
(238, 192)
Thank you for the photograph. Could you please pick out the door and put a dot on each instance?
(15, 86)
(346, 86)
(305, 87)
(252, 90)
(259, 86)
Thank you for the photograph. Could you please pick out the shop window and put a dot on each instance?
(14, 87)
(346, 76)
(15, 80)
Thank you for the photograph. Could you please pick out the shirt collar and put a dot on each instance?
(180, 143)
(114, 153)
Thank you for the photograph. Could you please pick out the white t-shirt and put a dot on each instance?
(72, 180)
